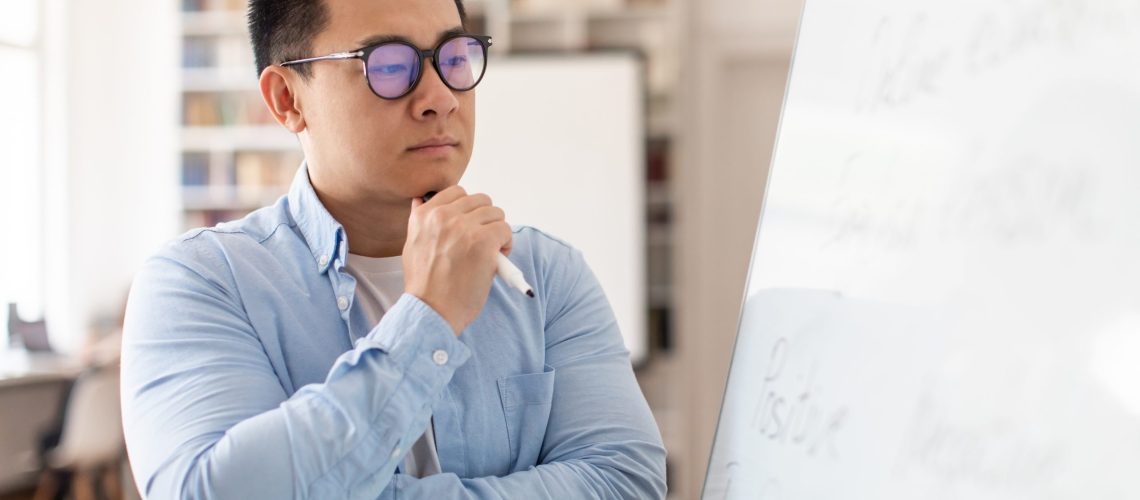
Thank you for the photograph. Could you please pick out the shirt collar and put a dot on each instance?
(323, 234)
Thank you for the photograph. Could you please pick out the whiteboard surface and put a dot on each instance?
(944, 295)
(559, 145)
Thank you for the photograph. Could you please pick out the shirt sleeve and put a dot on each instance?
(601, 440)
(205, 415)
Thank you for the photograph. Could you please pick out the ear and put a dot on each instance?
(278, 90)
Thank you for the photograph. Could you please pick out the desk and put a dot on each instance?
(32, 389)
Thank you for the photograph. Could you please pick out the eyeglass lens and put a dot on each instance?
(393, 68)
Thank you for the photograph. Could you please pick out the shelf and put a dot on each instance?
(255, 138)
(218, 79)
(228, 197)
(560, 13)
(211, 23)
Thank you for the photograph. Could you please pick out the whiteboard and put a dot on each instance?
(560, 145)
(943, 300)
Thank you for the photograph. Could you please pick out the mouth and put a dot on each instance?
(435, 145)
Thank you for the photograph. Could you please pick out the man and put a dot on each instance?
(351, 340)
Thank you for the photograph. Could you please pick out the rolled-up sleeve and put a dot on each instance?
(601, 440)
(206, 416)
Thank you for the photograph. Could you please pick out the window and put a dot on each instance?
(21, 172)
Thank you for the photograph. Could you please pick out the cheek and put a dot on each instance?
(467, 114)
(353, 123)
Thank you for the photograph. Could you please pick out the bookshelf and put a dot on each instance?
(234, 157)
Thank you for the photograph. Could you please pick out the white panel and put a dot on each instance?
(560, 146)
(944, 295)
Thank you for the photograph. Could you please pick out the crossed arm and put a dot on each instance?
(206, 417)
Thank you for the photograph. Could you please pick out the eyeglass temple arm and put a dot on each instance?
(338, 55)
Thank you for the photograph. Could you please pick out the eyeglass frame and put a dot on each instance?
(363, 53)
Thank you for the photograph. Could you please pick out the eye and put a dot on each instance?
(389, 69)
(455, 61)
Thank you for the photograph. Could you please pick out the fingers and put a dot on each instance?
(491, 237)
(493, 220)
(503, 234)
(455, 200)
(510, 243)
(487, 215)
(446, 196)
(470, 203)
(476, 209)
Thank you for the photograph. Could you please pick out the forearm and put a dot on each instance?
(223, 437)
(634, 470)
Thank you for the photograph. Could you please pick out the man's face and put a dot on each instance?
(361, 147)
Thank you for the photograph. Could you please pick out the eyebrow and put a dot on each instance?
(378, 39)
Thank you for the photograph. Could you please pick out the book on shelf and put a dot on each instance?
(263, 170)
(195, 169)
(212, 5)
(210, 218)
(254, 171)
(218, 51)
(213, 109)
(197, 52)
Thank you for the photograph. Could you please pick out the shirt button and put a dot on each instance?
(323, 260)
(440, 357)
(342, 303)
(396, 453)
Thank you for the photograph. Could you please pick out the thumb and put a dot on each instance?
(417, 201)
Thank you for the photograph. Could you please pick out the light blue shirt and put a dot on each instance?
(250, 372)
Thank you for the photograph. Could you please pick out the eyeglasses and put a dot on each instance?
(392, 69)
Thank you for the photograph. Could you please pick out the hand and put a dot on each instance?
(449, 256)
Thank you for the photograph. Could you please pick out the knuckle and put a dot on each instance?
(437, 217)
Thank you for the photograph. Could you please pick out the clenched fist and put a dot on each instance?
(450, 254)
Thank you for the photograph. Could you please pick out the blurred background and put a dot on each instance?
(128, 122)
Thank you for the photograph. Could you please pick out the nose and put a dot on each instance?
(432, 96)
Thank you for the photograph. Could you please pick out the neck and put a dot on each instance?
(373, 229)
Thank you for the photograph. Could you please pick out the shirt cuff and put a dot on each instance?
(411, 328)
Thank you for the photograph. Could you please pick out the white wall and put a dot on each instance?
(111, 153)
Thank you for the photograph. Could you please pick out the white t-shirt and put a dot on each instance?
(379, 284)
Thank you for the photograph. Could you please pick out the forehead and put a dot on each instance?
(421, 21)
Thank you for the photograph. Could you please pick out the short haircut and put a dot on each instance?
(282, 30)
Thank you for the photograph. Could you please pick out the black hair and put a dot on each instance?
(282, 30)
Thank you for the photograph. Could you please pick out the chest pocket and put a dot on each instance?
(526, 406)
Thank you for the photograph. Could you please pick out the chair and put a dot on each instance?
(91, 444)
(33, 334)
